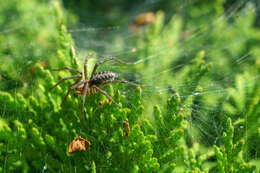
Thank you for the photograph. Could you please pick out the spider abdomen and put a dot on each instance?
(101, 77)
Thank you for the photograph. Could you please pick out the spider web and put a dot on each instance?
(111, 39)
(218, 87)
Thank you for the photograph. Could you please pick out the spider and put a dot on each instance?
(97, 80)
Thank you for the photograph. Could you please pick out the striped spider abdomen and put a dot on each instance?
(102, 77)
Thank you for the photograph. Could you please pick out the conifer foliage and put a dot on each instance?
(173, 131)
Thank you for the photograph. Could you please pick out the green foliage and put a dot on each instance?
(41, 130)
(242, 106)
(229, 158)
(195, 163)
(28, 35)
(158, 39)
(174, 121)
(166, 133)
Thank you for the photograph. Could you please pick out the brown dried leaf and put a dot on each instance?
(79, 144)
(144, 18)
(127, 128)
(133, 50)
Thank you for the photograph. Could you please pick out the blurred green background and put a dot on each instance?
(199, 61)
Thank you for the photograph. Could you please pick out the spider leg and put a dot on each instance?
(105, 60)
(64, 79)
(84, 93)
(73, 86)
(121, 81)
(69, 69)
(70, 89)
(85, 66)
(105, 94)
